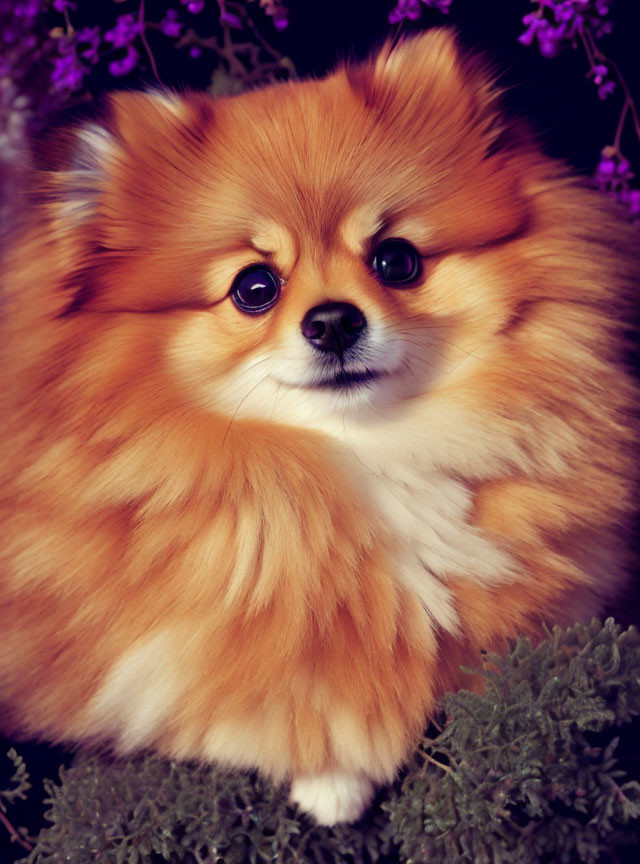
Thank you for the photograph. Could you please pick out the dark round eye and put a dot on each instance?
(396, 262)
(255, 289)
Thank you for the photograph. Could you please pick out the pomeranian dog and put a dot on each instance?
(308, 395)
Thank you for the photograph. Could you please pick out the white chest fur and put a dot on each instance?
(428, 514)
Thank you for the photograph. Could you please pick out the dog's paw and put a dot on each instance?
(334, 796)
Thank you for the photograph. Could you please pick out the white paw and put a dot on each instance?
(334, 796)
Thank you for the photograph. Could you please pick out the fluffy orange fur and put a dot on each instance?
(198, 561)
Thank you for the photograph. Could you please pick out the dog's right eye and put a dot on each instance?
(255, 289)
(396, 263)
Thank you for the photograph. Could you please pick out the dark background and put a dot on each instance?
(554, 95)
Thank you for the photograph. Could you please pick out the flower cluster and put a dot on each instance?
(412, 9)
(170, 25)
(614, 175)
(559, 21)
(39, 70)
(194, 6)
(556, 23)
(124, 35)
(62, 57)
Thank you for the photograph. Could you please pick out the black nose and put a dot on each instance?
(333, 326)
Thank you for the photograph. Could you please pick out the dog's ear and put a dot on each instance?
(432, 99)
(415, 64)
(125, 148)
(411, 81)
(99, 188)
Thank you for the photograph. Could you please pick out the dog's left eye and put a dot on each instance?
(396, 262)
(255, 289)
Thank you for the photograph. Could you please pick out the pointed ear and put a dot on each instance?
(414, 79)
(75, 165)
(418, 62)
(440, 109)
(99, 188)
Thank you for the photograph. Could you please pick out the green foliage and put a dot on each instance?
(152, 810)
(525, 773)
(18, 784)
(516, 775)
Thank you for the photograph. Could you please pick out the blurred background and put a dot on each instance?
(59, 55)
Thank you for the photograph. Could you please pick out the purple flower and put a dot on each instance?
(570, 12)
(606, 89)
(27, 9)
(410, 9)
(61, 5)
(633, 200)
(605, 171)
(603, 29)
(533, 23)
(600, 72)
(613, 174)
(549, 40)
(90, 37)
(126, 63)
(125, 31)
(195, 52)
(564, 12)
(68, 72)
(194, 6)
(561, 21)
(170, 25)
(623, 169)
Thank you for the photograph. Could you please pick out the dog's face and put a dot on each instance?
(316, 250)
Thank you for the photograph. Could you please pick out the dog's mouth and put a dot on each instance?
(343, 380)
(340, 379)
